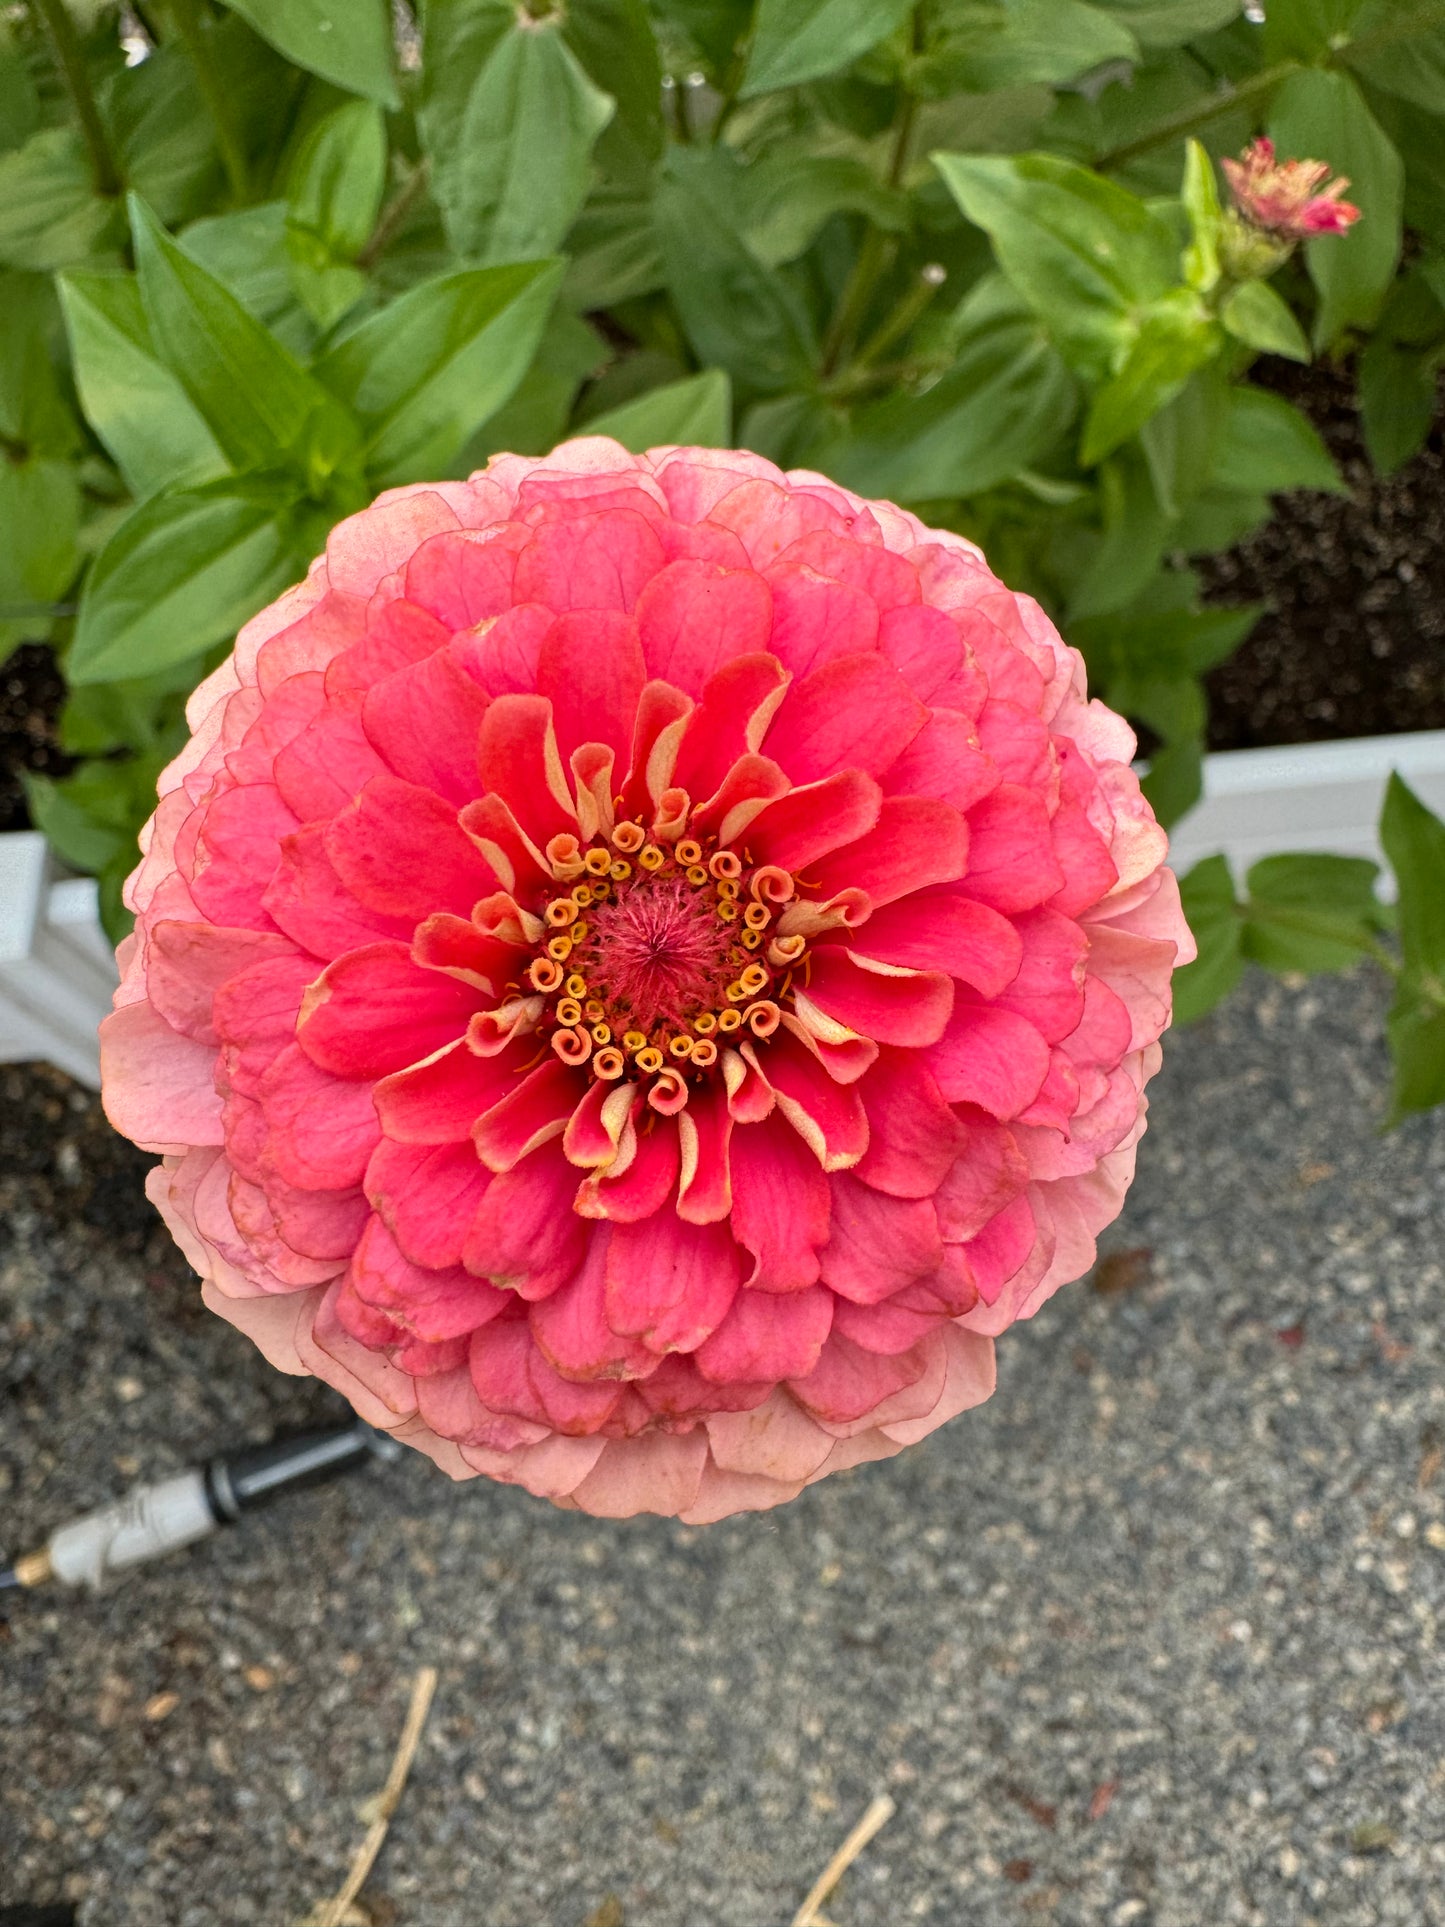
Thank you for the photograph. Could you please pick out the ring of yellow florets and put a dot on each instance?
(590, 1023)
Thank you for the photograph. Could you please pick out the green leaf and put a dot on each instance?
(131, 399)
(1179, 442)
(50, 214)
(1311, 913)
(614, 252)
(1011, 43)
(1255, 315)
(348, 41)
(1207, 893)
(40, 517)
(1006, 400)
(247, 253)
(184, 571)
(333, 197)
(614, 41)
(1268, 446)
(164, 137)
(258, 402)
(1322, 115)
(76, 817)
(427, 371)
(1401, 49)
(1135, 528)
(35, 415)
(510, 119)
(1083, 252)
(1200, 198)
(1174, 339)
(1397, 399)
(787, 196)
(696, 412)
(1306, 29)
(1169, 23)
(799, 40)
(1413, 838)
(737, 313)
(19, 96)
(1414, 841)
(535, 418)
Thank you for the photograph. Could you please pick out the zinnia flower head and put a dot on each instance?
(645, 965)
(1285, 198)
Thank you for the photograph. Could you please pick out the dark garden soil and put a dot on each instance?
(1353, 644)
(1354, 641)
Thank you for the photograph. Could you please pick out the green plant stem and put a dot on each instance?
(233, 157)
(393, 214)
(70, 58)
(908, 310)
(1191, 118)
(681, 119)
(873, 256)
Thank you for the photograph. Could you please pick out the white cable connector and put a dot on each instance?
(147, 1522)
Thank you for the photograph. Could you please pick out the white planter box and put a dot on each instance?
(57, 970)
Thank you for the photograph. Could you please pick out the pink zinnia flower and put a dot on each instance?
(644, 966)
(1284, 197)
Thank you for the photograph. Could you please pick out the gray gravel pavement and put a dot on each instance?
(1155, 1637)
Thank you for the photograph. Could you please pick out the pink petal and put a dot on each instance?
(326, 766)
(525, 1235)
(991, 1058)
(532, 1112)
(237, 854)
(943, 761)
(571, 1325)
(913, 1135)
(855, 713)
(877, 1244)
(767, 1336)
(909, 1010)
(815, 620)
(464, 577)
(670, 1283)
(158, 1086)
(780, 1205)
(425, 722)
(511, 1375)
(365, 548)
(520, 761)
(375, 1011)
(775, 1440)
(1049, 986)
(924, 646)
(589, 562)
(886, 579)
(694, 616)
(440, 1100)
(186, 964)
(848, 1383)
(770, 518)
(435, 1305)
(1000, 1249)
(591, 669)
(427, 1195)
(705, 1131)
(915, 841)
(944, 930)
(659, 1472)
(800, 829)
(647, 1184)
(255, 1012)
(502, 657)
(322, 1131)
(721, 728)
(308, 900)
(829, 1117)
(1011, 860)
(400, 850)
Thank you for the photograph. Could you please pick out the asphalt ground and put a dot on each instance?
(1155, 1637)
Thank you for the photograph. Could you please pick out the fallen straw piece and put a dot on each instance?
(880, 1811)
(334, 1912)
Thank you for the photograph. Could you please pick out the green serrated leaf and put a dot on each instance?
(696, 412)
(1322, 115)
(510, 120)
(1256, 315)
(131, 399)
(347, 41)
(259, 403)
(1083, 252)
(1207, 893)
(427, 371)
(800, 40)
(184, 571)
(1268, 446)
(738, 314)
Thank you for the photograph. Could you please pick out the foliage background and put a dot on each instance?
(262, 258)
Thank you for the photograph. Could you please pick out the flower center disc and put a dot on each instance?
(657, 953)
